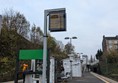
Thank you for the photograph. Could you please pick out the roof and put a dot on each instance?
(111, 38)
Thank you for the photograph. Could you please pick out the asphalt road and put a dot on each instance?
(86, 78)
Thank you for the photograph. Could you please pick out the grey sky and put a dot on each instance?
(89, 20)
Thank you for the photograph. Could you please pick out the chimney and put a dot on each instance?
(117, 36)
(103, 36)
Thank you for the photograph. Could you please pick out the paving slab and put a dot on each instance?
(86, 78)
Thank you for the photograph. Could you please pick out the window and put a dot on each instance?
(115, 42)
(110, 42)
(110, 46)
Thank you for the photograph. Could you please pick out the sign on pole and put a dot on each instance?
(57, 20)
(30, 54)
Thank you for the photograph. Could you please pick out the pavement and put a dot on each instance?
(90, 77)
(86, 78)
(103, 78)
(20, 81)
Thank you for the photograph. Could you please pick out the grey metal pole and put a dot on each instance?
(71, 69)
(70, 60)
(70, 40)
(45, 48)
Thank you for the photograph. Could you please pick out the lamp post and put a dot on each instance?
(70, 53)
(70, 41)
(81, 61)
(71, 68)
(79, 55)
(51, 17)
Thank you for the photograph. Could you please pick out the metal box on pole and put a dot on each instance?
(55, 16)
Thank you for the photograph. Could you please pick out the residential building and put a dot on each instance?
(110, 43)
(84, 62)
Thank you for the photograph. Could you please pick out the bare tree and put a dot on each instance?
(16, 21)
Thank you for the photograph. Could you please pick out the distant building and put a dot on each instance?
(0, 23)
(84, 62)
(85, 59)
(110, 43)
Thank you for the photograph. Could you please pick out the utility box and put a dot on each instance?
(74, 64)
(76, 68)
(67, 68)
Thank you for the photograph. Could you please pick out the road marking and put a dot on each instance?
(19, 81)
(98, 76)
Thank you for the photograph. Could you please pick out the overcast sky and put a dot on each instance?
(88, 20)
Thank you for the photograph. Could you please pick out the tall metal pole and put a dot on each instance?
(45, 48)
(46, 13)
(70, 44)
(70, 58)
(70, 54)
(71, 68)
(70, 40)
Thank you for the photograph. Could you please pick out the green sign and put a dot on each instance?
(30, 54)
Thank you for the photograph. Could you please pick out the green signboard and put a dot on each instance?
(30, 54)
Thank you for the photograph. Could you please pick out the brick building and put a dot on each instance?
(110, 43)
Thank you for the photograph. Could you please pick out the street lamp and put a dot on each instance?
(79, 55)
(70, 41)
(70, 53)
(70, 38)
